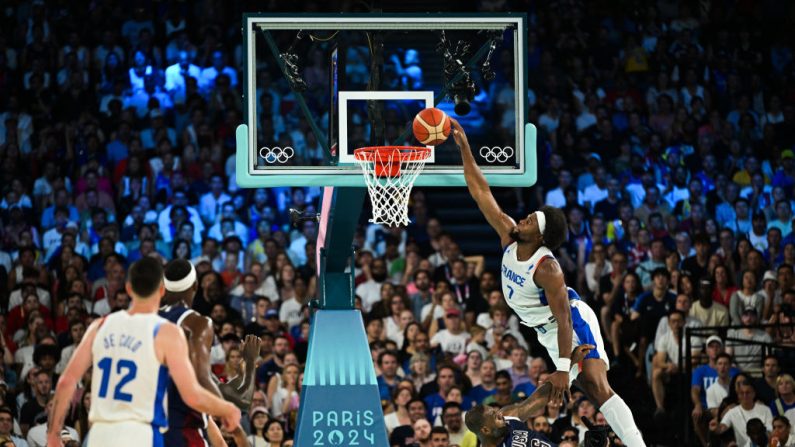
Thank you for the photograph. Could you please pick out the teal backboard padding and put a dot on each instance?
(352, 175)
(340, 402)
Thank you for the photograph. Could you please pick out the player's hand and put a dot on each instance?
(560, 387)
(251, 346)
(459, 135)
(240, 437)
(231, 418)
(713, 425)
(580, 352)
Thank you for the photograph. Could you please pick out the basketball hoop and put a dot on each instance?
(389, 172)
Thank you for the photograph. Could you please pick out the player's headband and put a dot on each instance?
(542, 222)
(183, 284)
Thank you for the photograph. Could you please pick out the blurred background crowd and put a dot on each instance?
(666, 133)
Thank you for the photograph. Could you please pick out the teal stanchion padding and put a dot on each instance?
(340, 402)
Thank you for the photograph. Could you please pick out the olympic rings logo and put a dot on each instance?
(276, 154)
(496, 153)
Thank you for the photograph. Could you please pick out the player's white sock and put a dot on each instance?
(619, 416)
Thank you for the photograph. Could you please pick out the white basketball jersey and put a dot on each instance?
(521, 292)
(128, 383)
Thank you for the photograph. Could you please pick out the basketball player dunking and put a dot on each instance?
(534, 287)
(132, 353)
(187, 427)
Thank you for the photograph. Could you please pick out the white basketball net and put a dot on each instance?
(390, 173)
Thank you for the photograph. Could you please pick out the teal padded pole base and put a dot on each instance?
(340, 402)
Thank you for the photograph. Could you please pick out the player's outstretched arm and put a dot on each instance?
(479, 188)
(200, 342)
(172, 346)
(538, 400)
(77, 366)
(240, 390)
(534, 403)
(549, 276)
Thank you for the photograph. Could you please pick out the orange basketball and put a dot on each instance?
(431, 127)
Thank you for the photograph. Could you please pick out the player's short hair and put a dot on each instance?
(701, 239)
(177, 269)
(677, 312)
(384, 354)
(724, 355)
(660, 271)
(475, 419)
(417, 273)
(145, 276)
(443, 367)
(557, 229)
(781, 419)
(499, 307)
(440, 430)
(450, 404)
(503, 374)
(771, 356)
(416, 399)
(6, 410)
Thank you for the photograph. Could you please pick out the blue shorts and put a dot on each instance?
(586, 331)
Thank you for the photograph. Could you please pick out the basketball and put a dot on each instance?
(431, 127)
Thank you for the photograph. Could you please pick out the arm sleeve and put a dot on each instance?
(659, 345)
(697, 380)
(727, 418)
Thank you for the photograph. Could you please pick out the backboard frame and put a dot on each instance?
(349, 175)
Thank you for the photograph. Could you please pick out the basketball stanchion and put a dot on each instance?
(340, 399)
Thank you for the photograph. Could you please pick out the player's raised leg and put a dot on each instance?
(593, 380)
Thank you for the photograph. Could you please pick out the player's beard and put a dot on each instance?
(515, 235)
(500, 433)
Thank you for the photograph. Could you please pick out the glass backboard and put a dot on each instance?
(319, 87)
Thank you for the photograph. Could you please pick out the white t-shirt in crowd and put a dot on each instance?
(484, 320)
(455, 344)
(37, 436)
(737, 418)
(393, 330)
(669, 345)
(102, 307)
(15, 298)
(370, 292)
(556, 198)
(438, 311)
(290, 312)
(715, 394)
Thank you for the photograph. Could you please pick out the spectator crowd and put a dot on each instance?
(666, 133)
